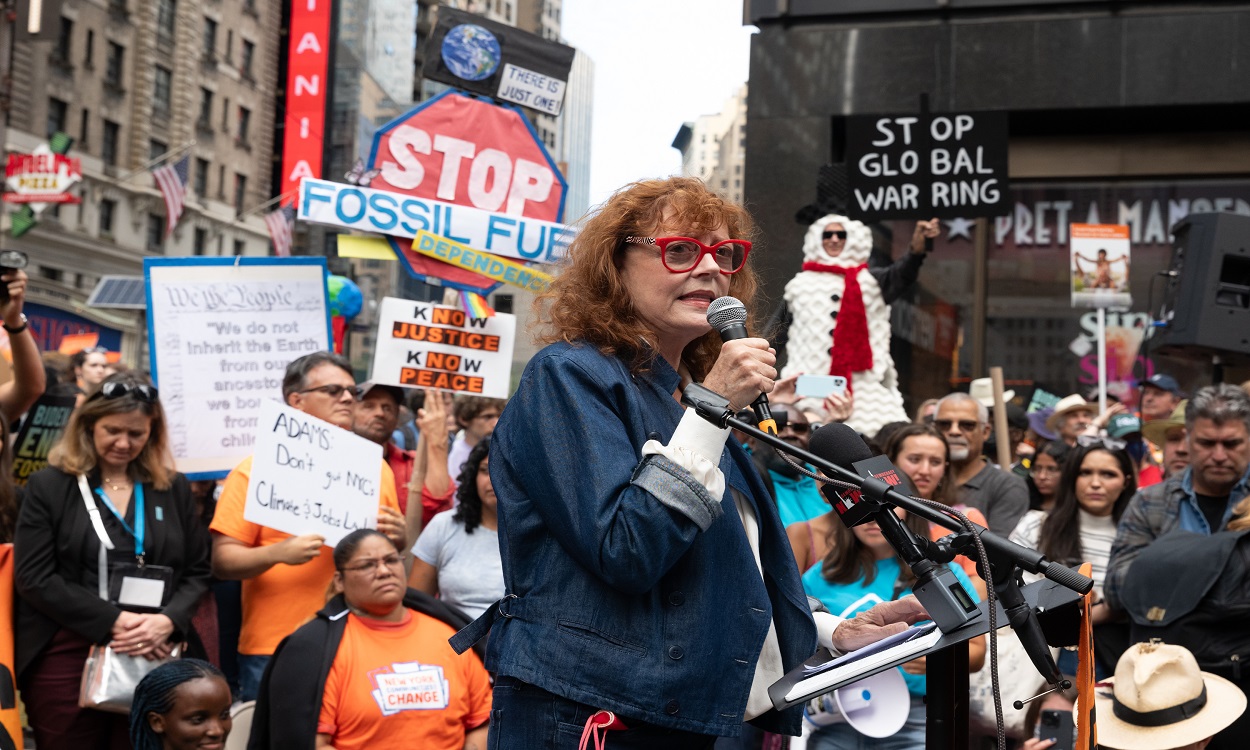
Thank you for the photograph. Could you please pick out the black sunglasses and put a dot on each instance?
(830, 235)
(334, 390)
(141, 392)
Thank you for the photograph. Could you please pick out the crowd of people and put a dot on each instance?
(623, 566)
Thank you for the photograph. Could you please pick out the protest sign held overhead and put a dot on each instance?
(1099, 258)
(221, 336)
(486, 264)
(402, 216)
(311, 477)
(420, 345)
(471, 52)
(467, 152)
(40, 430)
(948, 165)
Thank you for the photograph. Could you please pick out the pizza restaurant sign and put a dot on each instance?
(41, 178)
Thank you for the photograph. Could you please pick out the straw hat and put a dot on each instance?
(1156, 430)
(1159, 700)
(1067, 405)
(982, 389)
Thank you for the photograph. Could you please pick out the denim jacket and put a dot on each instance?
(628, 588)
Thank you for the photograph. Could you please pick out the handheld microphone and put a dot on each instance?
(729, 317)
(936, 586)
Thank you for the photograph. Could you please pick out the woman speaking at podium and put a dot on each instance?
(646, 572)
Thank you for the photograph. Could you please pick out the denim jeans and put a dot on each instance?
(524, 717)
(844, 737)
(251, 669)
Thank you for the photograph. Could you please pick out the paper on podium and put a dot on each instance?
(816, 677)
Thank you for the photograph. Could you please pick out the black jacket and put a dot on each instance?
(56, 561)
(289, 702)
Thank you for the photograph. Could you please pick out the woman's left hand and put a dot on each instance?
(146, 636)
(783, 390)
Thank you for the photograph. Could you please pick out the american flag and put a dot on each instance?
(172, 180)
(280, 223)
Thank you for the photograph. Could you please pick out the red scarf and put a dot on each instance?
(851, 350)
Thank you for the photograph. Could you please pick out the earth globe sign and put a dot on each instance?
(471, 52)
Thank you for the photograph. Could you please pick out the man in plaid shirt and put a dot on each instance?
(1201, 499)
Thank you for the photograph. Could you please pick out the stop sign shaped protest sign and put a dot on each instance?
(466, 152)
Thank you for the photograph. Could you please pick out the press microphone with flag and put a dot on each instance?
(729, 317)
(937, 588)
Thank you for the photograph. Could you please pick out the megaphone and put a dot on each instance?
(876, 706)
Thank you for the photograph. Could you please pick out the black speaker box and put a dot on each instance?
(1206, 308)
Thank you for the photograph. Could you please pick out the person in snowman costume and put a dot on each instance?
(838, 314)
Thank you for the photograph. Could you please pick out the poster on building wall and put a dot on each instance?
(221, 332)
(1099, 265)
(948, 165)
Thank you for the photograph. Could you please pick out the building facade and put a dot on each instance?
(137, 85)
(713, 147)
(1132, 113)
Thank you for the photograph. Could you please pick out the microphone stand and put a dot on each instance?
(1006, 560)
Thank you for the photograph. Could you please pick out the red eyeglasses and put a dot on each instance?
(682, 254)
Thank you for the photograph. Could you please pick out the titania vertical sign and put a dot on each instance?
(307, 78)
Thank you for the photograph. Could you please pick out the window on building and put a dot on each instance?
(156, 149)
(239, 247)
(162, 91)
(113, 66)
(156, 233)
(199, 245)
(107, 210)
(88, 55)
(229, 57)
(201, 177)
(83, 124)
(221, 182)
(225, 115)
(166, 17)
(206, 110)
(51, 274)
(64, 41)
(240, 192)
(245, 120)
(57, 110)
(245, 60)
(737, 169)
(210, 39)
(108, 143)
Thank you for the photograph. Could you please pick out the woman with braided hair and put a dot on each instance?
(181, 704)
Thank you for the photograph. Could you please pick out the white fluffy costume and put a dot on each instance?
(815, 298)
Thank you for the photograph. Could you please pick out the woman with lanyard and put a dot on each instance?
(108, 550)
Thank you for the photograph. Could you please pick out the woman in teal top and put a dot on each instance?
(861, 570)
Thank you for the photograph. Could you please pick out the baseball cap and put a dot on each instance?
(363, 389)
(1164, 383)
(1122, 425)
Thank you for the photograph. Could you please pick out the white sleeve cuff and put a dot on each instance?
(825, 625)
(696, 446)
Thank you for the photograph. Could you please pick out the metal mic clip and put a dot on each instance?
(708, 404)
(1062, 685)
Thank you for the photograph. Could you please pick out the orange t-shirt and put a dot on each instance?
(284, 597)
(936, 532)
(400, 685)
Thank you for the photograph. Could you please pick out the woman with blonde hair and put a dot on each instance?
(108, 550)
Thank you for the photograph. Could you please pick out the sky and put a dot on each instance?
(658, 64)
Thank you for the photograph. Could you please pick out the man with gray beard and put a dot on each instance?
(1002, 496)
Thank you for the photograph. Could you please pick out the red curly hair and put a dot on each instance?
(588, 300)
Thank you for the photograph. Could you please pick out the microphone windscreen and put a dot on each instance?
(726, 311)
(839, 444)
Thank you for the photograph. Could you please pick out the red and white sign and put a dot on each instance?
(308, 61)
(472, 153)
(41, 177)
